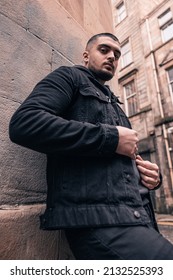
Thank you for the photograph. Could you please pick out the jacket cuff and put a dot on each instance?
(111, 140)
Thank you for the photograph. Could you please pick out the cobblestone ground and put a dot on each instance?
(167, 231)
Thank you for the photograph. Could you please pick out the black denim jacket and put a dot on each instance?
(72, 118)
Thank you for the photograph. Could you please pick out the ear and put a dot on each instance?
(85, 57)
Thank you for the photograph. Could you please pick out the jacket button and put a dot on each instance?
(137, 214)
(128, 177)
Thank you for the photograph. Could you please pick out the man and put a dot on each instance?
(98, 187)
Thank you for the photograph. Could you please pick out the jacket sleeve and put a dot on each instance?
(38, 123)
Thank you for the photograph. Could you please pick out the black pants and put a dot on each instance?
(119, 243)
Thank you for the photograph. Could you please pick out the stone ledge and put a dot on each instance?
(21, 238)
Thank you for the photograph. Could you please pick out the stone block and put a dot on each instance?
(21, 238)
(36, 37)
(58, 29)
(23, 64)
(22, 177)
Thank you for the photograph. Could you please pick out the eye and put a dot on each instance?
(103, 50)
(117, 55)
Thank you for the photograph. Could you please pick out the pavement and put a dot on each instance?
(165, 224)
(164, 219)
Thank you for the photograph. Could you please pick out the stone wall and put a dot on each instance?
(36, 36)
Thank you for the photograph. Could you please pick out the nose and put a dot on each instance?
(111, 56)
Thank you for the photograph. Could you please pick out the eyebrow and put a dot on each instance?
(107, 46)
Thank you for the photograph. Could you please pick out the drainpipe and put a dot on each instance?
(165, 134)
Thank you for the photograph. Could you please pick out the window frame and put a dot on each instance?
(165, 24)
(131, 96)
(170, 82)
(124, 55)
(120, 18)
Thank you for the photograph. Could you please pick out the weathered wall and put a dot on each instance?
(155, 115)
(36, 36)
(162, 52)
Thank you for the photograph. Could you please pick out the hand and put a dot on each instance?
(149, 173)
(127, 144)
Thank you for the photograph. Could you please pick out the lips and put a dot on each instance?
(109, 65)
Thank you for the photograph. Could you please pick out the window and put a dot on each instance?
(170, 80)
(130, 98)
(166, 25)
(126, 56)
(121, 12)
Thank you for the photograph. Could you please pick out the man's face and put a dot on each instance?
(101, 57)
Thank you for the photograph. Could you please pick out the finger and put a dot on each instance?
(133, 156)
(147, 164)
(150, 179)
(147, 185)
(147, 172)
(151, 185)
(138, 157)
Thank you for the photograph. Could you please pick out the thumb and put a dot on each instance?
(139, 157)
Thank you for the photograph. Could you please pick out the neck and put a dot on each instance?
(96, 77)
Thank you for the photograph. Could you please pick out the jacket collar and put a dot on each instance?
(91, 76)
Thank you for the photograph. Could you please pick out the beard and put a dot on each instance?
(101, 74)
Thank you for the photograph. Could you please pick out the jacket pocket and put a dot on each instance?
(88, 91)
(93, 104)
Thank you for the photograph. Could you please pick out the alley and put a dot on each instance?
(165, 223)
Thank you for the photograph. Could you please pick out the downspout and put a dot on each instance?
(165, 134)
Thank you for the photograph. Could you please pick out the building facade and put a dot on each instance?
(36, 36)
(145, 83)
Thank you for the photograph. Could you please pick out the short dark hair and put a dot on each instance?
(93, 38)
